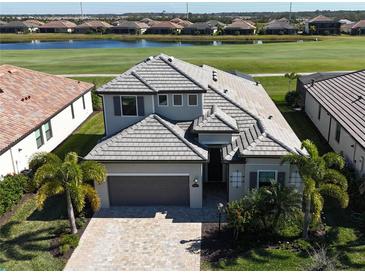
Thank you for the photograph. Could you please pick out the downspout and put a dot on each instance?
(354, 156)
(329, 130)
(12, 160)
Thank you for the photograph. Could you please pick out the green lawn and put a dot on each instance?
(328, 55)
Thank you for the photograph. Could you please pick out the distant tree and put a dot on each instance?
(291, 76)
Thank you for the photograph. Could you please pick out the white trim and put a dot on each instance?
(147, 174)
(182, 100)
(121, 105)
(167, 100)
(265, 170)
(197, 103)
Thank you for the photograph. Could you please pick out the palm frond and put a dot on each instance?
(333, 176)
(72, 157)
(40, 158)
(334, 159)
(311, 148)
(45, 172)
(77, 195)
(48, 189)
(335, 192)
(93, 171)
(92, 196)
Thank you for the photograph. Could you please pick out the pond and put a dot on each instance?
(105, 43)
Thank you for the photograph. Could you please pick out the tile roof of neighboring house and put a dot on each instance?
(29, 98)
(321, 18)
(306, 79)
(94, 24)
(279, 24)
(152, 139)
(243, 75)
(181, 22)
(215, 120)
(216, 23)
(131, 25)
(344, 98)
(151, 76)
(148, 21)
(3, 23)
(166, 25)
(201, 26)
(360, 24)
(18, 24)
(345, 21)
(240, 24)
(34, 22)
(59, 24)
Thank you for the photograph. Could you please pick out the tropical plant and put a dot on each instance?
(70, 177)
(291, 76)
(292, 98)
(321, 177)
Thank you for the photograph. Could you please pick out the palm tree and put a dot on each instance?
(69, 177)
(321, 177)
(291, 76)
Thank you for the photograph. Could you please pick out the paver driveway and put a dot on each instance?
(141, 238)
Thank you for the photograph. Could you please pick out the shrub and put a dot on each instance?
(11, 191)
(292, 98)
(321, 260)
(96, 100)
(68, 241)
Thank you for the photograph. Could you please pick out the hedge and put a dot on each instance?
(12, 188)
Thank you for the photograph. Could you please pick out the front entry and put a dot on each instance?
(215, 166)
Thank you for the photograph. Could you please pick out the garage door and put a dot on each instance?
(148, 190)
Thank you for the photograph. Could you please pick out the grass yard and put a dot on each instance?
(329, 55)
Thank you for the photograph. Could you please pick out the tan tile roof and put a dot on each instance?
(321, 18)
(34, 22)
(166, 25)
(94, 24)
(240, 24)
(59, 24)
(360, 24)
(29, 98)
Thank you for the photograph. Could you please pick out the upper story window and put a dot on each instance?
(39, 137)
(265, 177)
(338, 132)
(129, 105)
(162, 100)
(192, 100)
(72, 111)
(319, 112)
(177, 100)
(48, 130)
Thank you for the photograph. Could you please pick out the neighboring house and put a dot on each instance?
(93, 26)
(58, 26)
(173, 127)
(19, 27)
(240, 27)
(38, 111)
(200, 28)
(279, 27)
(358, 28)
(3, 23)
(337, 107)
(34, 22)
(130, 27)
(322, 25)
(181, 22)
(148, 21)
(165, 27)
(216, 23)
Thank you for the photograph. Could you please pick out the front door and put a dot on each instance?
(215, 165)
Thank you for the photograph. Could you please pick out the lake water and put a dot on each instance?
(82, 44)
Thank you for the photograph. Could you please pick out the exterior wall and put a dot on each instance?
(215, 138)
(254, 165)
(194, 170)
(179, 113)
(351, 150)
(62, 126)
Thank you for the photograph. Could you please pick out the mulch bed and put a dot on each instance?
(6, 217)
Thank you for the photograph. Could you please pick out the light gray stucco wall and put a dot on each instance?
(193, 170)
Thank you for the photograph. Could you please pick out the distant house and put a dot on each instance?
(34, 22)
(181, 22)
(216, 23)
(58, 26)
(130, 27)
(38, 112)
(3, 23)
(165, 27)
(337, 107)
(358, 28)
(93, 26)
(200, 28)
(240, 27)
(18, 27)
(148, 21)
(279, 27)
(322, 25)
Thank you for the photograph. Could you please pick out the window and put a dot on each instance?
(162, 100)
(39, 137)
(48, 130)
(319, 112)
(177, 100)
(72, 111)
(83, 102)
(338, 132)
(265, 177)
(192, 100)
(117, 108)
(129, 105)
(236, 179)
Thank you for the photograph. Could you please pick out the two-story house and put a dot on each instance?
(322, 25)
(173, 128)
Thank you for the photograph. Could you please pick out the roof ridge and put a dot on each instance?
(172, 130)
(216, 110)
(268, 135)
(336, 76)
(162, 57)
(145, 82)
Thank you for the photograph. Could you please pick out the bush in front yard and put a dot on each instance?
(68, 241)
(11, 191)
(292, 98)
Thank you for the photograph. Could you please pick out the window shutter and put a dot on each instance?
(140, 102)
(253, 180)
(117, 107)
(281, 178)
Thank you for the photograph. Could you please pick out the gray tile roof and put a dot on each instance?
(157, 74)
(215, 120)
(152, 139)
(279, 24)
(344, 98)
(318, 76)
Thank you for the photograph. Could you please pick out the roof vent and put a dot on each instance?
(225, 91)
(171, 58)
(215, 77)
(149, 59)
(1, 90)
(12, 70)
(312, 82)
(270, 117)
(257, 83)
(358, 99)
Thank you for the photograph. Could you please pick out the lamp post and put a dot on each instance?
(220, 208)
